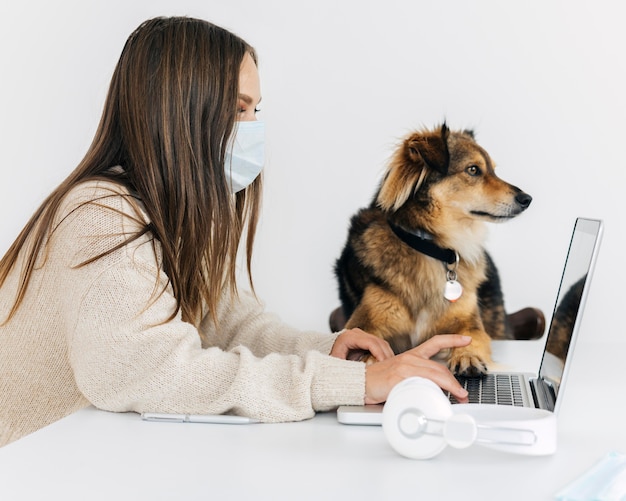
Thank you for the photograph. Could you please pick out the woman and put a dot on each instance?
(120, 291)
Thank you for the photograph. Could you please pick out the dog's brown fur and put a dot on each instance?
(443, 183)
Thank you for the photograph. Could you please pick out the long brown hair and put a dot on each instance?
(169, 114)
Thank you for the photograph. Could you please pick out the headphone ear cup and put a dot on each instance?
(413, 418)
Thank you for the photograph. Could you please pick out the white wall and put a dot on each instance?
(542, 82)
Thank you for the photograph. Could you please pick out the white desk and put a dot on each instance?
(98, 455)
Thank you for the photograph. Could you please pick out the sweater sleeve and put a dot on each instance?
(242, 320)
(128, 355)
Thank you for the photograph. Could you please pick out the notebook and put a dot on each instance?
(543, 390)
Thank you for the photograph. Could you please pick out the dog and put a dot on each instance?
(414, 263)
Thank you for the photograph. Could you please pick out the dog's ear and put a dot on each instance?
(398, 184)
(470, 133)
(420, 153)
(431, 148)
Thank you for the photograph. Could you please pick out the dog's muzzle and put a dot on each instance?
(523, 200)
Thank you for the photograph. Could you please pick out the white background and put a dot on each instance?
(541, 82)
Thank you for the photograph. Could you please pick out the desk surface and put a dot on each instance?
(98, 455)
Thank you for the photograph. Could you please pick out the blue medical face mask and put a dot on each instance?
(245, 160)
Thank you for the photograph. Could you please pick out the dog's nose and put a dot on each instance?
(523, 199)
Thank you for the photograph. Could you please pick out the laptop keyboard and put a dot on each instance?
(502, 389)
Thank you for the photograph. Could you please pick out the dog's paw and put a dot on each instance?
(464, 362)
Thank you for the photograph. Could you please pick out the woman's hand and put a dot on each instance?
(352, 342)
(381, 377)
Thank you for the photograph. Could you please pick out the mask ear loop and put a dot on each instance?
(453, 289)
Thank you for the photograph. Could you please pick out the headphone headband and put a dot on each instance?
(419, 422)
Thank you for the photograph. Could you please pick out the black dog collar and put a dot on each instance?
(424, 245)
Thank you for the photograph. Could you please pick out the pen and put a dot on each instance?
(197, 418)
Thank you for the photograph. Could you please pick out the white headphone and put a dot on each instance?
(419, 421)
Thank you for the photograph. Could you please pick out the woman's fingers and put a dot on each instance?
(440, 342)
(378, 347)
(381, 377)
(356, 340)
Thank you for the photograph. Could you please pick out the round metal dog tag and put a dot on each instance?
(452, 291)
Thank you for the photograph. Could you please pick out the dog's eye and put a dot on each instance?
(473, 170)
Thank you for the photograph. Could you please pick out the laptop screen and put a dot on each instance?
(570, 301)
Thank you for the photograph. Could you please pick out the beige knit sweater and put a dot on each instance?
(98, 335)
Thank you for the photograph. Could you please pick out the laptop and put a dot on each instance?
(543, 390)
